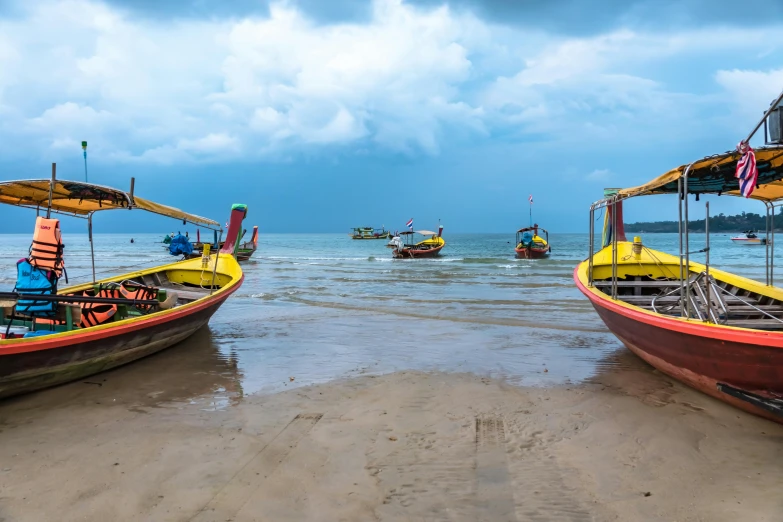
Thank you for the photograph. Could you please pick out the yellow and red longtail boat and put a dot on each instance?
(713, 330)
(51, 337)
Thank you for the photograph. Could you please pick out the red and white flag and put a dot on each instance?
(747, 172)
(530, 199)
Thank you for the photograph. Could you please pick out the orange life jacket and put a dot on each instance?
(98, 313)
(46, 252)
(140, 293)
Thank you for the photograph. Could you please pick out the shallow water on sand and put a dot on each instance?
(321, 307)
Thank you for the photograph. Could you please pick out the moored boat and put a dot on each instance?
(403, 246)
(245, 250)
(530, 244)
(55, 336)
(713, 330)
(749, 237)
(370, 233)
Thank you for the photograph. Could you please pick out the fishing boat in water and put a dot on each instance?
(718, 332)
(370, 233)
(52, 336)
(749, 237)
(245, 250)
(530, 244)
(404, 247)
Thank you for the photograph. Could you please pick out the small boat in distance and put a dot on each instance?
(244, 250)
(749, 237)
(404, 247)
(370, 233)
(530, 245)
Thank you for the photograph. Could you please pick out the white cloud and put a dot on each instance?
(599, 175)
(407, 80)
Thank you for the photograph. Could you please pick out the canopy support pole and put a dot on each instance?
(592, 247)
(772, 248)
(92, 248)
(766, 244)
(214, 269)
(707, 284)
(687, 245)
(614, 248)
(51, 190)
(679, 236)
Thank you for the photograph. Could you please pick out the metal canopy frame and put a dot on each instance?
(88, 215)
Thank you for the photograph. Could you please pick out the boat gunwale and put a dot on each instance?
(60, 339)
(679, 324)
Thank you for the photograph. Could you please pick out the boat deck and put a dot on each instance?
(718, 302)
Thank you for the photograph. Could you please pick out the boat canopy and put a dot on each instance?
(81, 199)
(530, 229)
(716, 175)
(422, 232)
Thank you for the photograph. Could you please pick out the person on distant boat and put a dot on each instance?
(186, 234)
(131, 240)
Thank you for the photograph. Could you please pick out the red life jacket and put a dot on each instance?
(98, 313)
(46, 252)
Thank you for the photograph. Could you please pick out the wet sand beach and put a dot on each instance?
(336, 385)
(629, 445)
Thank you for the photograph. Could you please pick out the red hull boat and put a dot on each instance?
(713, 330)
(530, 244)
(700, 355)
(429, 247)
(531, 253)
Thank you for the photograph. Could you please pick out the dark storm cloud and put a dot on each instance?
(574, 17)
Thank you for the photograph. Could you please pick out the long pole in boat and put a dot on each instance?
(84, 148)
(51, 190)
(707, 259)
(214, 269)
(530, 201)
(679, 235)
(92, 248)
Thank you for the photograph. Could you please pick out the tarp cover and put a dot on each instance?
(716, 175)
(79, 198)
(180, 246)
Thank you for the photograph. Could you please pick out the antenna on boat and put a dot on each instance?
(84, 148)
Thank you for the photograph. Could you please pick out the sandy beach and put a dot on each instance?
(403, 446)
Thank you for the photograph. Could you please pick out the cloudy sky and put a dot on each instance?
(326, 115)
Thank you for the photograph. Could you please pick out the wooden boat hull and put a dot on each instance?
(698, 354)
(35, 363)
(59, 363)
(531, 253)
(746, 241)
(411, 253)
(382, 236)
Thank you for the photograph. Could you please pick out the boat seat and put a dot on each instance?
(170, 301)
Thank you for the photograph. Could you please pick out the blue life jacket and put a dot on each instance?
(180, 245)
(527, 238)
(36, 281)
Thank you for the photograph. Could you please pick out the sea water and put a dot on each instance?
(319, 307)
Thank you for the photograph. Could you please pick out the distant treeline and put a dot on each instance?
(719, 223)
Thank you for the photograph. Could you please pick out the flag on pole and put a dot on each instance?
(409, 224)
(747, 172)
(530, 199)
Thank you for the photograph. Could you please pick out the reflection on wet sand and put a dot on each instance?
(194, 371)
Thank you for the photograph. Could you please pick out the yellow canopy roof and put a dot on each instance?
(80, 199)
(716, 175)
